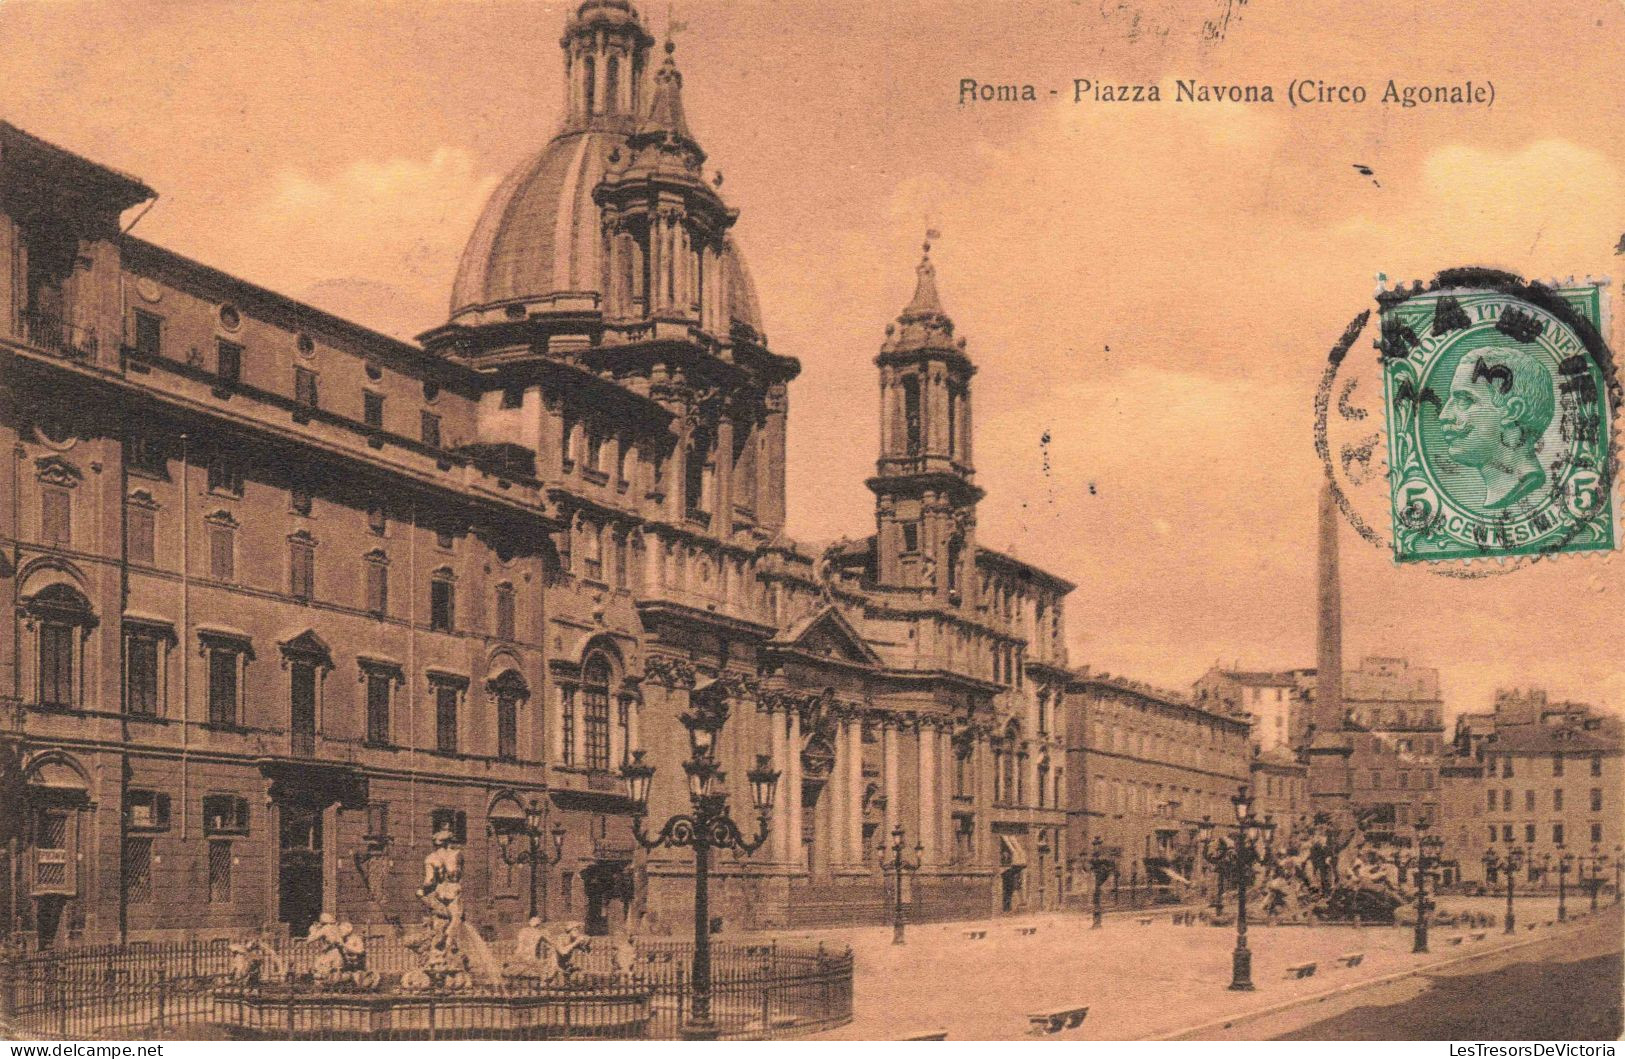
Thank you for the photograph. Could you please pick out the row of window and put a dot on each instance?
(222, 534)
(1557, 765)
(148, 345)
(1529, 800)
(1424, 778)
(1506, 833)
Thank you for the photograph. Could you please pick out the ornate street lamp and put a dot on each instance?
(897, 866)
(1252, 843)
(708, 827)
(1103, 865)
(1565, 864)
(1506, 865)
(1591, 873)
(1429, 848)
(1204, 834)
(533, 827)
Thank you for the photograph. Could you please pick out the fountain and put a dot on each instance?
(458, 988)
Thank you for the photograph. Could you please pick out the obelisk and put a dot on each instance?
(1329, 744)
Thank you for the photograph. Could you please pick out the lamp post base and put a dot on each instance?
(897, 934)
(1241, 970)
(1511, 924)
(701, 1030)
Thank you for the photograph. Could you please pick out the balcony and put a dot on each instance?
(58, 337)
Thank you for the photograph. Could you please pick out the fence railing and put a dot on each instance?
(56, 335)
(136, 991)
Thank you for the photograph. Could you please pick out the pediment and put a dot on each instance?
(829, 634)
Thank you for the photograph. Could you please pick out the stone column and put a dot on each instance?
(926, 829)
(722, 519)
(854, 804)
(776, 723)
(795, 788)
(888, 735)
(945, 784)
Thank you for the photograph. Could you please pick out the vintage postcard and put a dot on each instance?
(939, 520)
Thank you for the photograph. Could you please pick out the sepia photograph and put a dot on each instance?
(937, 520)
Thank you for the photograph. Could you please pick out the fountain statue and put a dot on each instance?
(453, 955)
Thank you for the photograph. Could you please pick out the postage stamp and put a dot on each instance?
(1499, 418)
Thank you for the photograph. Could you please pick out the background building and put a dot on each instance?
(1146, 766)
(1276, 701)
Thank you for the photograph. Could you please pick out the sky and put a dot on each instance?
(1149, 290)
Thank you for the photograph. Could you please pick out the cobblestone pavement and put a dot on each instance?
(1139, 980)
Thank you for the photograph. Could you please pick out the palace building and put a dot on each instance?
(290, 596)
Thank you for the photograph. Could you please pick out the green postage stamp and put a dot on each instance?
(1498, 397)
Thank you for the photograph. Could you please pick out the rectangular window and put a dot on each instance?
(304, 388)
(513, 397)
(224, 477)
(1376, 777)
(378, 688)
(1557, 834)
(300, 500)
(146, 810)
(1493, 833)
(225, 814)
(222, 553)
(1557, 800)
(441, 605)
(911, 536)
(1506, 833)
(1404, 780)
(147, 341)
(595, 716)
(141, 674)
(1596, 764)
(1529, 801)
(1491, 800)
(302, 705)
(56, 517)
(1506, 800)
(138, 870)
(431, 430)
(1557, 764)
(507, 727)
(139, 530)
(1596, 833)
(620, 561)
(505, 620)
(373, 409)
(56, 664)
(1506, 767)
(445, 718)
(219, 871)
(1529, 833)
(567, 725)
(229, 363)
(222, 687)
(377, 588)
(1596, 799)
(301, 570)
(145, 454)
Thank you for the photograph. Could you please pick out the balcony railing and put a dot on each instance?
(57, 336)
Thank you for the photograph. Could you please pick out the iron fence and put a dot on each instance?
(183, 989)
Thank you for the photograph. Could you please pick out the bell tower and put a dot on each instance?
(925, 494)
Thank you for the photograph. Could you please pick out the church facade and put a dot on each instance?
(290, 596)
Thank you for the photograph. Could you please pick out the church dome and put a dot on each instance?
(538, 246)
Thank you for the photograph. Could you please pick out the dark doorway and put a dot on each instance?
(608, 887)
(300, 868)
(48, 919)
(1010, 881)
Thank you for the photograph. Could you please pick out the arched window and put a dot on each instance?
(509, 690)
(61, 616)
(612, 85)
(911, 414)
(589, 71)
(595, 679)
(695, 474)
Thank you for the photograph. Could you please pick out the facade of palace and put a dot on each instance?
(289, 596)
(1148, 766)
